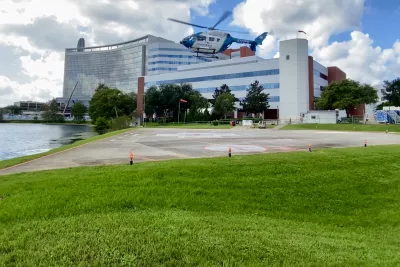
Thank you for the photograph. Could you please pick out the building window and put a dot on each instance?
(220, 77)
(287, 57)
(323, 76)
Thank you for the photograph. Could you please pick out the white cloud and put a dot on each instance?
(321, 19)
(361, 60)
(39, 30)
(318, 18)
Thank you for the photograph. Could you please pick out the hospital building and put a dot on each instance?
(294, 80)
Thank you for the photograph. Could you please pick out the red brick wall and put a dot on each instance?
(244, 51)
(140, 96)
(335, 74)
(358, 111)
(271, 114)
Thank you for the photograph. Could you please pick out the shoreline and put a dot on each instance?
(46, 123)
(7, 163)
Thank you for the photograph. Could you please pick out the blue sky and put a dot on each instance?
(343, 33)
(381, 20)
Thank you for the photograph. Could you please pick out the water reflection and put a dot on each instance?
(18, 140)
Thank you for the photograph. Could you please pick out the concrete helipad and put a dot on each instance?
(161, 144)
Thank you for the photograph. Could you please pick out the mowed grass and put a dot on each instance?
(345, 127)
(188, 126)
(15, 161)
(330, 207)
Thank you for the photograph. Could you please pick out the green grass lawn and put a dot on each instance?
(188, 126)
(344, 127)
(11, 162)
(331, 207)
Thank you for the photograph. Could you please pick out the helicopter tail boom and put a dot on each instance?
(259, 40)
(253, 43)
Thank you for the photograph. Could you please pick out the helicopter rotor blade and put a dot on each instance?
(223, 17)
(187, 23)
(232, 31)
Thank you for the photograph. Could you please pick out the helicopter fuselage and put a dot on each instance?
(210, 42)
(214, 42)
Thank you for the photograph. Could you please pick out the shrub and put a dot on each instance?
(101, 125)
(120, 123)
(215, 123)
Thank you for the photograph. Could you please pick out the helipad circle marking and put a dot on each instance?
(236, 148)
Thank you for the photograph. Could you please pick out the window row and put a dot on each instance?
(319, 74)
(218, 77)
(171, 62)
(180, 56)
(271, 99)
(168, 49)
(168, 69)
(239, 87)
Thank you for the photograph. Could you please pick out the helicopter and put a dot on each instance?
(215, 41)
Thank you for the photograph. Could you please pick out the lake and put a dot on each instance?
(22, 139)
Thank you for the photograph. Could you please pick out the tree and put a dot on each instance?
(391, 92)
(219, 91)
(1, 114)
(110, 103)
(101, 125)
(381, 105)
(13, 109)
(224, 104)
(153, 101)
(78, 112)
(165, 99)
(51, 112)
(256, 101)
(347, 95)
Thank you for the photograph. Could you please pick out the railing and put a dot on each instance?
(395, 116)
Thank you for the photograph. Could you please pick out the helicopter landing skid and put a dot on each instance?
(206, 56)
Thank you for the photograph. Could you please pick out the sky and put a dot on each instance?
(359, 36)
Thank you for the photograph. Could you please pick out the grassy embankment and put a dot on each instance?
(331, 207)
(16, 161)
(344, 127)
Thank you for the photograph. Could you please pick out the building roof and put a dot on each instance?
(145, 39)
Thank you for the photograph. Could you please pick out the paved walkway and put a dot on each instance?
(149, 144)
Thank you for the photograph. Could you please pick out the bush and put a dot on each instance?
(101, 125)
(215, 123)
(120, 123)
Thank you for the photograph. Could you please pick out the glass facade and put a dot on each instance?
(319, 74)
(118, 67)
(171, 62)
(217, 77)
(169, 49)
(271, 99)
(318, 88)
(179, 56)
(166, 69)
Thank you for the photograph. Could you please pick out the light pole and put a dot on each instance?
(179, 109)
(144, 106)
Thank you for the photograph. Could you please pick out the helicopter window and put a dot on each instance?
(217, 39)
(201, 38)
(211, 39)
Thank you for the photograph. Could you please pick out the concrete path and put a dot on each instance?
(161, 144)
